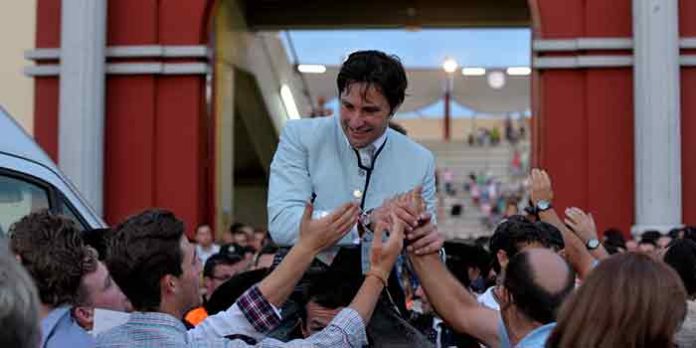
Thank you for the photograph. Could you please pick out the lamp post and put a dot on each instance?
(449, 66)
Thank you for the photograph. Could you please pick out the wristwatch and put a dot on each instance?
(543, 205)
(592, 244)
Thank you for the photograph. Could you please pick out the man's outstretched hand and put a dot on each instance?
(319, 234)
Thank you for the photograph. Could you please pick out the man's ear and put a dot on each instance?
(84, 316)
(169, 284)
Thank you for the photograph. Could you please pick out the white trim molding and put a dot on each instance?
(584, 61)
(595, 61)
(129, 69)
(583, 43)
(134, 51)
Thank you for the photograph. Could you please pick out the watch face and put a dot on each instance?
(543, 205)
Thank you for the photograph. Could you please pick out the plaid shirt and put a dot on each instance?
(251, 316)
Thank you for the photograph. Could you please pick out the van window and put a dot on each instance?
(17, 199)
(67, 211)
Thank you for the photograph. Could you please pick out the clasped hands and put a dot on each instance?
(407, 210)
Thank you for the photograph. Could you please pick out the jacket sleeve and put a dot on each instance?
(290, 186)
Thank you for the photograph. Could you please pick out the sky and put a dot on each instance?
(422, 48)
(426, 48)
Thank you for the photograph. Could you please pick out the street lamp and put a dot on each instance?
(449, 66)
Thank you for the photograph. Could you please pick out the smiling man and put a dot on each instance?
(354, 160)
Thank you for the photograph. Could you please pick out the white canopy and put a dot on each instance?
(426, 86)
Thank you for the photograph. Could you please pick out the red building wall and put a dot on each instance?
(584, 125)
(156, 125)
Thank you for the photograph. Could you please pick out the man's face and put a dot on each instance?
(221, 274)
(189, 280)
(242, 239)
(103, 291)
(204, 236)
(365, 114)
(318, 318)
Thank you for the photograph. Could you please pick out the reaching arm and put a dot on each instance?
(578, 255)
(456, 305)
(315, 235)
(584, 227)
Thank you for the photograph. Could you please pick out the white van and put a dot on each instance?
(30, 181)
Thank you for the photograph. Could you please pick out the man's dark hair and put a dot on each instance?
(462, 256)
(650, 237)
(510, 235)
(681, 255)
(97, 239)
(229, 259)
(535, 302)
(143, 249)
(51, 249)
(379, 70)
(552, 237)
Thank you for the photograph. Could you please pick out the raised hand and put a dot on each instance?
(384, 254)
(540, 186)
(318, 234)
(581, 223)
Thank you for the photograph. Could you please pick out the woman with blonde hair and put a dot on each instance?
(629, 300)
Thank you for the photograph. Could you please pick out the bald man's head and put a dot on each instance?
(538, 280)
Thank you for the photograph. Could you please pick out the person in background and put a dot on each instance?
(19, 304)
(604, 313)
(205, 246)
(681, 256)
(218, 269)
(259, 239)
(52, 251)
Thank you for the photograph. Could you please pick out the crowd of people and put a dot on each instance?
(352, 258)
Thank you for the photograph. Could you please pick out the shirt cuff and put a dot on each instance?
(349, 322)
(260, 313)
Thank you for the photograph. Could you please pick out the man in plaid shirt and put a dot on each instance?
(157, 268)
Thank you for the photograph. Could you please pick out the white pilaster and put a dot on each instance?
(657, 115)
(82, 79)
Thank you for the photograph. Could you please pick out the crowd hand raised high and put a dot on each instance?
(319, 234)
(384, 254)
(581, 223)
(540, 186)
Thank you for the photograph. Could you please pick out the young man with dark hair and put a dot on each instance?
(157, 268)
(512, 235)
(51, 249)
(354, 160)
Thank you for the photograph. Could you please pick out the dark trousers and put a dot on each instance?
(387, 327)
